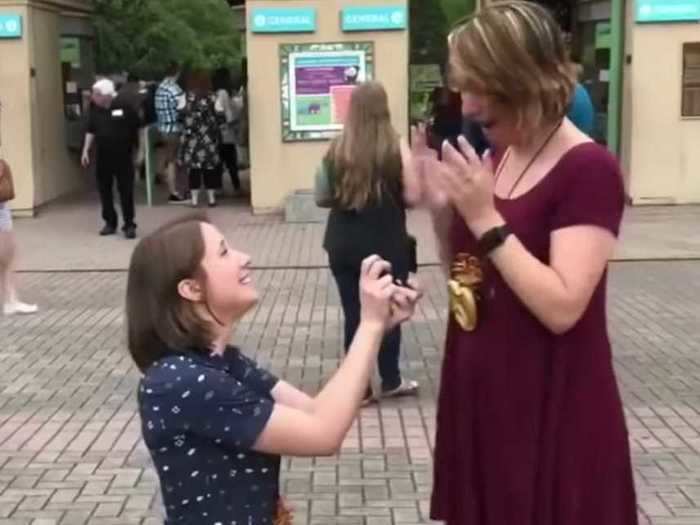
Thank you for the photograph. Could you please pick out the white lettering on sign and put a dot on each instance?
(676, 9)
(386, 19)
(397, 17)
(292, 20)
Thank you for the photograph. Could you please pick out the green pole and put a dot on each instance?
(150, 164)
(617, 29)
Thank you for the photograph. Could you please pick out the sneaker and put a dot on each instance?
(406, 388)
(19, 308)
(176, 199)
(130, 231)
(108, 230)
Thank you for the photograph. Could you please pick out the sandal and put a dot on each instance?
(406, 388)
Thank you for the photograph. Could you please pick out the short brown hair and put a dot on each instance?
(514, 52)
(158, 319)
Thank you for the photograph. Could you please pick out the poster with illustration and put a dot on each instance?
(317, 82)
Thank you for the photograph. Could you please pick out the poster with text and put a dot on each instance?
(317, 83)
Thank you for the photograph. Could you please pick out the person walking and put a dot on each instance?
(370, 187)
(201, 138)
(168, 99)
(214, 422)
(113, 126)
(530, 426)
(11, 303)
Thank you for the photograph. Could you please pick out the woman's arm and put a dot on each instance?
(318, 428)
(411, 184)
(321, 431)
(584, 225)
(228, 107)
(557, 294)
(426, 168)
(290, 396)
(442, 221)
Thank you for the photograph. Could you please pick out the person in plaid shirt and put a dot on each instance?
(167, 100)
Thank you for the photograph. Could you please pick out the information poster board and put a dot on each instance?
(317, 82)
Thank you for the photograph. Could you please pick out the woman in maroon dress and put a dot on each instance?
(531, 429)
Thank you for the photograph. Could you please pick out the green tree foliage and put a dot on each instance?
(143, 36)
(429, 30)
(457, 9)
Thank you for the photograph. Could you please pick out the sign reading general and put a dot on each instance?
(10, 26)
(374, 18)
(649, 11)
(287, 20)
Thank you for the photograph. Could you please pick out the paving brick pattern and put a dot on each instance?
(70, 448)
(63, 237)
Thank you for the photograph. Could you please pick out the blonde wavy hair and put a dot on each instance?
(514, 53)
(366, 157)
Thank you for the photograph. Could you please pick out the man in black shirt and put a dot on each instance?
(113, 126)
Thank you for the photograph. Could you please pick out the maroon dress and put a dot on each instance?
(530, 427)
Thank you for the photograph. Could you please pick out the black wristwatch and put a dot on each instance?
(492, 239)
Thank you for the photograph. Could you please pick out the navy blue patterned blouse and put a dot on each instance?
(200, 416)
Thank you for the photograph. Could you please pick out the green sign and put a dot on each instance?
(668, 11)
(288, 20)
(374, 18)
(10, 26)
(70, 51)
(603, 35)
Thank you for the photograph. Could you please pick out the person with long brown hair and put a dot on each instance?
(371, 184)
(530, 427)
(214, 422)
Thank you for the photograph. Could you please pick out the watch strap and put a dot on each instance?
(493, 239)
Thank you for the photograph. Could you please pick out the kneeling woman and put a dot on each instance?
(214, 422)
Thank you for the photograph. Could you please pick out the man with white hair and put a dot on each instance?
(113, 126)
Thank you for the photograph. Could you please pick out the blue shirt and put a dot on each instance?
(200, 416)
(581, 111)
(166, 101)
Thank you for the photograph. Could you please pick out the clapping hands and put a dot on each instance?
(462, 179)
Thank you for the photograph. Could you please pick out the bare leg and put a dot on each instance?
(11, 303)
(6, 249)
(171, 170)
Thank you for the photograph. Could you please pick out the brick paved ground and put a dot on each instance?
(70, 451)
(64, 236)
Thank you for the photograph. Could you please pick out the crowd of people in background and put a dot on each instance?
(199, 117)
